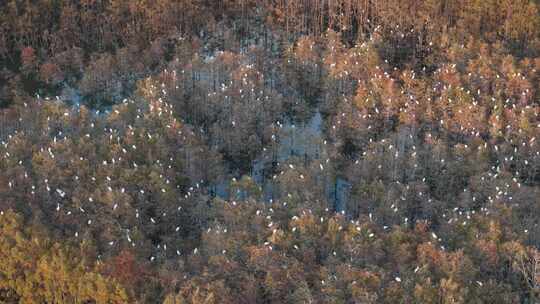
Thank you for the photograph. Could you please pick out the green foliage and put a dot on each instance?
(35, 269)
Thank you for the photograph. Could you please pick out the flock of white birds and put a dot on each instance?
(160, 110)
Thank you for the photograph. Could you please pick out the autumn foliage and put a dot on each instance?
(269, 151)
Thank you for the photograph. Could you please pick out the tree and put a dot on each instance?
(35, 269)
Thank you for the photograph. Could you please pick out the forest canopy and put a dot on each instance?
(269, 151)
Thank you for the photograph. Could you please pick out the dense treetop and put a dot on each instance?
(269, 151)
